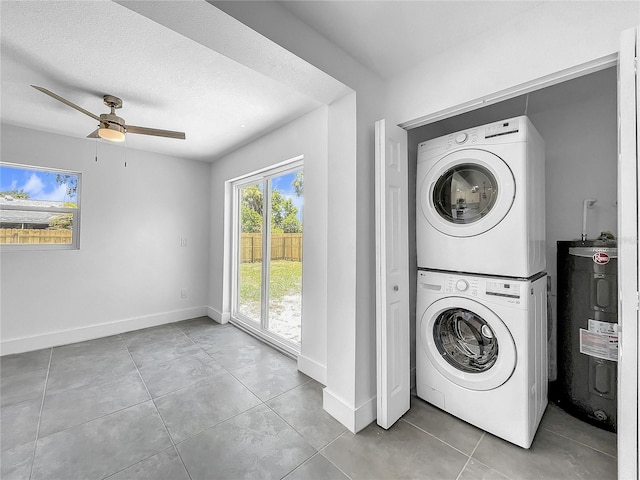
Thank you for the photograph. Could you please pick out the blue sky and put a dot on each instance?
(38, 184)
(284, 183)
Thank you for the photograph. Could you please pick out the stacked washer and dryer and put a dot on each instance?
(481, 326)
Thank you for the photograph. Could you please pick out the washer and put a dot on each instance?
(481, 201)
(481, 350)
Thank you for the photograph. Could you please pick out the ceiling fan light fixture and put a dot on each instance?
(111, 132)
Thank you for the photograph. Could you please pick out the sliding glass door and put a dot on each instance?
(267, 297)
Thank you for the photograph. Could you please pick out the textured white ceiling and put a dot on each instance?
(391, 36)
(82, 50)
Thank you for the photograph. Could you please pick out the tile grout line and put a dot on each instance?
(470, 455)
(262, 403)
(328, 459)
(580, 443)
(218, 424)
(432, 435)
(137, 463)
(44, 394)
(159, 416)
(301, 436)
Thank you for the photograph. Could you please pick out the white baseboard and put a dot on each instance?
(354, 418)
(218, 316)
(313, 369)
(63, 337)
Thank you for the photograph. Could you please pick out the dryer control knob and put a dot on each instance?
(461, 138)
(462, 285)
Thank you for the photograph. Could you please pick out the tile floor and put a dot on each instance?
(198, 400)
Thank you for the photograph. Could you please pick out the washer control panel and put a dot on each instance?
(467, 286)
(503, 289)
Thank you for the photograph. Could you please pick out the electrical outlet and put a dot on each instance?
(184, 293)
(183, 242)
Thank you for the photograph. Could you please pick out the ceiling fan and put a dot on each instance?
(111, 127)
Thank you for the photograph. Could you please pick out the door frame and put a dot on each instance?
(231, 242)
(628, 442)
(628, 255)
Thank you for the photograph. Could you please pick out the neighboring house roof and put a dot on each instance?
(21, 216)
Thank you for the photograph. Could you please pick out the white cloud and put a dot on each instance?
(37, 190)
(59, 194)
(33, 186)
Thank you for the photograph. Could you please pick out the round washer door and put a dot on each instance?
(467, 193)
(468, 343)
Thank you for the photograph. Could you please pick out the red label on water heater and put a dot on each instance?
(600, 258)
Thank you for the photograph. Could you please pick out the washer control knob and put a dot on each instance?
(462, 285)
(461, 138)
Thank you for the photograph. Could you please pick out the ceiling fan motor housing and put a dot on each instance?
(113, 122)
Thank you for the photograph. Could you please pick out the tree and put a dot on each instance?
(283, 212)
(15, 194)
(291, 224)
(251, 210)
(64, 221)
(283, 209)
(252, 198)
(251, 220)
(298, 183)
(70, 181)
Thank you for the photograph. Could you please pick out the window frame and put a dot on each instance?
(75, 212)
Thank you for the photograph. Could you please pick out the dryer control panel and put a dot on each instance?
(506, 131)
(498, 129)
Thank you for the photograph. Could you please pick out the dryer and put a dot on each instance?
(481, 351)
(481, 201)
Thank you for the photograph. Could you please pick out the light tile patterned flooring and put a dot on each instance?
(198, 400)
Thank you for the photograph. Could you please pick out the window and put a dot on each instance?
(39, 208)
(267, 286)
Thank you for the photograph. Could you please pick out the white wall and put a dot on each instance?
(551, 37)
(305, 136)
(130, 267)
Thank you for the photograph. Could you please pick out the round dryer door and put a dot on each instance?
(467, 343)
(467, 193)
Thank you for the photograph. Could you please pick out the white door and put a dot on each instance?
(628, 254)
(392, 274)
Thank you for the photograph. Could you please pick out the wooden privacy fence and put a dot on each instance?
(21, 236)
(284, 246)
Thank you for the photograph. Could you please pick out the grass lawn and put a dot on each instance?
(285, 276)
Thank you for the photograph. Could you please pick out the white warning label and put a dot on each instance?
(600, 345)
(603, 327)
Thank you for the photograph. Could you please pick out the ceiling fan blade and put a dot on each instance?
(66, 102)
(155, 131)
(94, 134)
